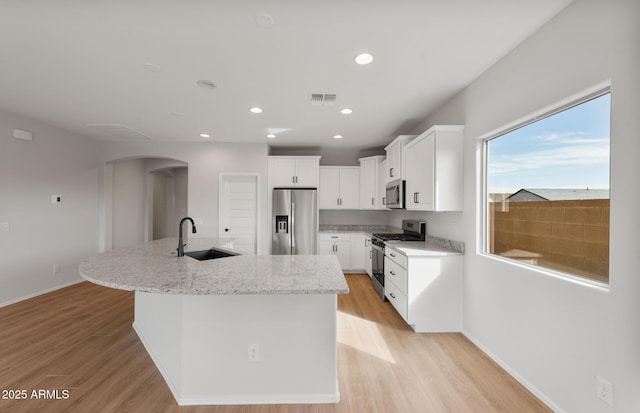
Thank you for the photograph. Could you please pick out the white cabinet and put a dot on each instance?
(370, 198)
(294, 171)
(357, 261)
(367, 255)
(394, 157)
(382, 184)
(339, 187)
(433, 167)
(425, 290)
(338, 244)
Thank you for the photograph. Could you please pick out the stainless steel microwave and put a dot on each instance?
(395, 194)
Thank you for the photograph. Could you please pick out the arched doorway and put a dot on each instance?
(142, 197)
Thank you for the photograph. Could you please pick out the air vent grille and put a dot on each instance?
(121, 132)
(323, 99)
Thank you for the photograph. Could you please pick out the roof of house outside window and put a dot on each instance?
(557, 194)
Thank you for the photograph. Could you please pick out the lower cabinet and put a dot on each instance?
(348, 247)
(338, 245)
(425, 290)
(367, 255)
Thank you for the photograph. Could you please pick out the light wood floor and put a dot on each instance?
(80, 339)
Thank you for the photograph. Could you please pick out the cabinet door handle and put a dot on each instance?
(335, 236)
(390, 172)
(392, 255)
(417, 197)
(392, 296)
(371, 254)
(392, 272)
(384, 200)
(373, 201)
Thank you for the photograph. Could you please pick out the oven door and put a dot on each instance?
(377, 267)
(395, 194)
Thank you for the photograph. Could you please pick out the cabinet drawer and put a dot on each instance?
(396, 298)
(396, 257)
(333, 236)
(395, 273)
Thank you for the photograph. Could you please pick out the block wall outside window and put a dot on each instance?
(568, 236)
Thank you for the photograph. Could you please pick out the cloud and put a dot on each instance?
(576, 152)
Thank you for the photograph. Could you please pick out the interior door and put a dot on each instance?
(238, 211)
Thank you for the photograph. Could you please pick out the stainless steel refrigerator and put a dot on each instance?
(294, 222)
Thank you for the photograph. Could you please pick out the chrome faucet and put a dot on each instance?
(180, 240)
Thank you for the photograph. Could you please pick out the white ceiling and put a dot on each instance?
(73, 63)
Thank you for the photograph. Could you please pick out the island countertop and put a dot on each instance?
(154, 267)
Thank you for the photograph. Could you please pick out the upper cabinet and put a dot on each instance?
(433, 170)
(370, 197)
(395, 168)
(382, 184)
(339, 187)
(294, 171)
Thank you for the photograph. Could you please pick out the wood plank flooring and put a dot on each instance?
(80, 339)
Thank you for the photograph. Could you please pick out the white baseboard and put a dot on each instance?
(514, 374)
(26, 297)
(262, 399)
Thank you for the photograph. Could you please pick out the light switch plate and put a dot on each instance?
(4, 227)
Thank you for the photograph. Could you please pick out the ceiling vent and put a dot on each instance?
(323, 99)
(120, 132)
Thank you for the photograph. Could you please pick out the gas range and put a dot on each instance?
(412, 231)
(390, 236)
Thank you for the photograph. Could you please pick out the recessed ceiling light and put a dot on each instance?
(271, 136)
(346, 111)
(264, 20)
(206, 84)
(337, 136)
(364, 58)
(255, 109)
(151, 67)
(205, 135)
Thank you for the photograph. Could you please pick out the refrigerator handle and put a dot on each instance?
(292, 225)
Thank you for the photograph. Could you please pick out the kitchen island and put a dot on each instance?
(246, 329)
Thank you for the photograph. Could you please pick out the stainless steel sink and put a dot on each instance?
(210, 254)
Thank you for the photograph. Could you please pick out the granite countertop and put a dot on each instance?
(154, 267)
(367, 229)
(422, 249)
(432, 246)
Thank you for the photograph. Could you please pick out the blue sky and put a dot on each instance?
(567, 150)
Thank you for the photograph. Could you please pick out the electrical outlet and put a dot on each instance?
(254, 352)
(604, 391)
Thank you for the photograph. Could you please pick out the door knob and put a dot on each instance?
(226, 230)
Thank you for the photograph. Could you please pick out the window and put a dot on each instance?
(547, 190)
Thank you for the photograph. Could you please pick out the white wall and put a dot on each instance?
(128, 203)
(42, 234)
(205, 161)
(553, 334)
